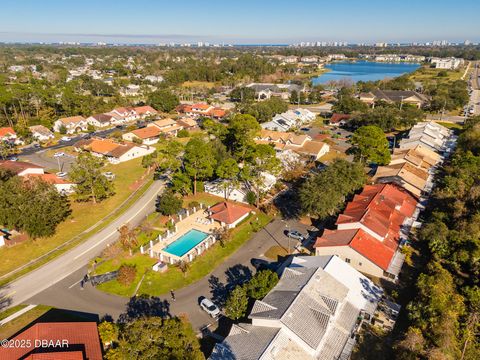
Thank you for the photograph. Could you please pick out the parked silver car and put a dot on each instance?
(210, 308)
(294, 234)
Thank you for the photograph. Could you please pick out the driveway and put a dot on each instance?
(67, 293)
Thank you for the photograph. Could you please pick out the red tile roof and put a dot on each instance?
(183, 108)
(17, 166)
(74, 355)
(4, 131)
(336, 118)
(49, 178)
(140, 110)
(107, 147)
(378, 252)
(123, 110)
(382, 208)
(81, 337)
(201, 106)
(218, 113)
(202, 110)
(227, 212)
(147, 132)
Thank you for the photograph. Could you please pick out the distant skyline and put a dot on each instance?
(241, 22)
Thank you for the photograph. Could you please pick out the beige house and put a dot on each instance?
(41, 133)
(72, 124)
(414, 179)
(148, 135)
(168, 127)
(301, 144)
(418, 156)
(340, 241)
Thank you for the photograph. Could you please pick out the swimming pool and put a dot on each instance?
(186, 242)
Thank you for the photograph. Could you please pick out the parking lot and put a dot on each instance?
(46, 159)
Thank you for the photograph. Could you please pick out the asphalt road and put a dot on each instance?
(48, 275)
(67, 293)
(28, 150)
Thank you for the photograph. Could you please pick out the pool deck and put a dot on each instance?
(186, 225)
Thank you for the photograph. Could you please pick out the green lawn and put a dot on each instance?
(156, 284)
(10, 311)
(83, 217)
(450, 125)
(427, 73)
(202, 197)
(141, 262)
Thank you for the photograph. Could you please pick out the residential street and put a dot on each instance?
(51, 273)
(67, 293)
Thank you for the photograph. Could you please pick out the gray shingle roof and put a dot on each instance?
(308, 319)
(245, 342)
(309, 302)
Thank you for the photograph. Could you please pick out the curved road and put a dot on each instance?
(73, 260)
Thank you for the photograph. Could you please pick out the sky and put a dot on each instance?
(238, 22)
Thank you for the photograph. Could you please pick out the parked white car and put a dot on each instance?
(65, 139)
(210, 308)
(58, 154)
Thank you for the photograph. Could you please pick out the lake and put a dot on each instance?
(363, 71)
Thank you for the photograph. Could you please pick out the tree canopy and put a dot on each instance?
(91, 183)
(370, 144)
(237, 303)
(199, 161)
(33, 206)
(241, 131)
(163, 100)
(323, 193)
(444, 313)
(159, 338)
(168, 203)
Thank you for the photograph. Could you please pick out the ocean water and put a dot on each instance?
(363, 71)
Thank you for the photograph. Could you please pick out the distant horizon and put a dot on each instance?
(246, 22)
(133, 39)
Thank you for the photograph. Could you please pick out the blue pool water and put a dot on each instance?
(363, 71)
(186, 242)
